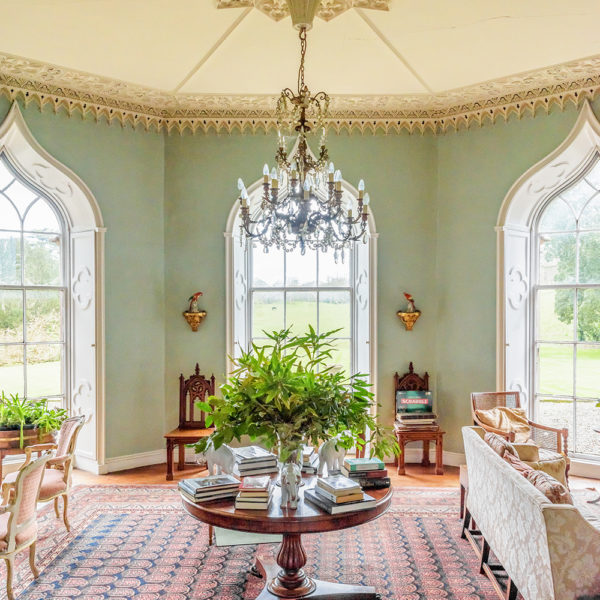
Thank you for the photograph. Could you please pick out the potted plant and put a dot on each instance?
(19, 414)
(285, 394)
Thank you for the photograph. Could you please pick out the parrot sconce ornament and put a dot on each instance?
(194, 316)
(410, 315)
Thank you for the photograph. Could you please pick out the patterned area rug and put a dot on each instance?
(137, 542)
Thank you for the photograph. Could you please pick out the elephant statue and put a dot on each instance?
(332, 455)
(219, 461)
(291, 478)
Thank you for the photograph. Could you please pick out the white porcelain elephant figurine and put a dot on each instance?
(219, 461)
(331, 456)
(291, 478)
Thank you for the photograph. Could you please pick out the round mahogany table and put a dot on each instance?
(286, 578)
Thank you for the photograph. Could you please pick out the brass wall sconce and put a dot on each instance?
(410, 315)
(194, 316)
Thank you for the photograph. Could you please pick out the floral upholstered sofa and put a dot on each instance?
(550, 551)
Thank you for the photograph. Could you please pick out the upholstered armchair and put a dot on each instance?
(550, 451)
(57, 476)
(18, 524)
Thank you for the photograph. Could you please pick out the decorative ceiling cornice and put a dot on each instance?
(127, 103)
(327, 10)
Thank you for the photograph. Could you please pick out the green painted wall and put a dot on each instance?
(476, 169)
(125, 171)
(200, 189)
(165, 202)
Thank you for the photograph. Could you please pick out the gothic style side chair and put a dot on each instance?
(18, 524)
(57, 476)
(191, 421)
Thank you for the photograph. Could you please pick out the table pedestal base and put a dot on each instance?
(321, 590)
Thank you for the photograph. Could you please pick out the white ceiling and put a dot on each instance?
(191, 47)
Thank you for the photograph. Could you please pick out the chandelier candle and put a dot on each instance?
(302, 203)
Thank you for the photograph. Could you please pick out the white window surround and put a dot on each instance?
(516, 259)
(85, 277)
(365, 269)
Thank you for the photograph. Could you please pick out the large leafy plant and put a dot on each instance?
(16, 413)
(286, 394)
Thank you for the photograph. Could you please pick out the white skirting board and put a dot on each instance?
(155, 457)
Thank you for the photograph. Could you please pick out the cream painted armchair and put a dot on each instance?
(18, 525)
(57, 476)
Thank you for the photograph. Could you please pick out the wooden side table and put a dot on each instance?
(405, 435)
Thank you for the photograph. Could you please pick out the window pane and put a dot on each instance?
(301, 311)
(267, 267)
(44, 370)
(332, 274)
(267, 312)
(557, 413)
(587, 441)
(588, 315)
(11, 316)
(9, 218)
(10, 258)
(340, 355)
(555, 315)
(557, 216)
(42, 259)
(589, 257)
(577, 195)
(588, 372)
(21, 196)
(11, 370)
(40, 217)
(301, 270)
(557, 258)
(590, 217)
(44, 316)
(555, 369)
(334, 312)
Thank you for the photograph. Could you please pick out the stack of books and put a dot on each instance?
(205, 489)
(254, 460)
(310, 460)
(370, 473)
(338, 494)
(254, 493)
(416, 420)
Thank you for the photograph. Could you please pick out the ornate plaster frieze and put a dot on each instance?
(127, 103)
(327, 10)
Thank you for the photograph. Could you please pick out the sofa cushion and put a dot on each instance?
(499, 444)
(516, 463)
(506, 419)
(553, 463)
(555, 491)
(528, 452)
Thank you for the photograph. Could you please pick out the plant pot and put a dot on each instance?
(9, 438)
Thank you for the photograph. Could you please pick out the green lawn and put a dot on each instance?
(44, 379)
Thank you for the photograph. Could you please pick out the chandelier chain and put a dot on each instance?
(302, 36)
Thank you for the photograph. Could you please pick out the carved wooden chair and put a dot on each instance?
(551, 441)
(192, 426)
(57, 476)
(410, 381)
(18, 524)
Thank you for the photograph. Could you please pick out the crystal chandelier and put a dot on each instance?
(302, 203)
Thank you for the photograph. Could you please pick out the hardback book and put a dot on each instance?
(375, 484)
(364, 474)
(250, 454)
(335, 509)
(363, 464)
(312, 465)
(251, 505)
(221, 496)
(338, 485)
(258, 471)
(339, 499)
(207, 493)
(212, 482)
(307, 453)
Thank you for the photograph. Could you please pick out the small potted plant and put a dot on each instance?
(286, 394)
(34, 421)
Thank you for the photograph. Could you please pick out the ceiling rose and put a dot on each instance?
(325, 9)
